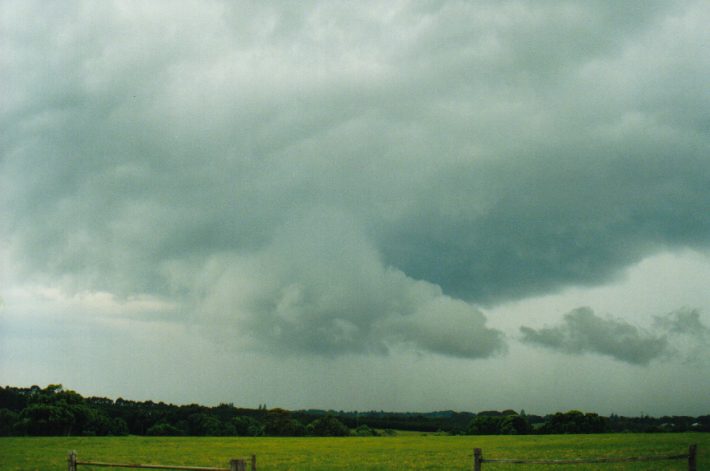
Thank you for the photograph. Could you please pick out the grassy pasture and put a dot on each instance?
(406, 452)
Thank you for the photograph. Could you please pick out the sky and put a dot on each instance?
(404, 205)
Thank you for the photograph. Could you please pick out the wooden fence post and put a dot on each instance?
(477, 459)
(237, 465)
(72, 460)
(253, 462)
(692, 457)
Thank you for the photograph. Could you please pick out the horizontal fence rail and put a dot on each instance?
(691, 456)
(234, 465)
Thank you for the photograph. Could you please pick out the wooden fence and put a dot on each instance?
(691, 456)
(234, 465)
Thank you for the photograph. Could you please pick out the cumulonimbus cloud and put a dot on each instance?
(166, 151)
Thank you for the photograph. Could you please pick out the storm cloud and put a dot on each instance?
(468, 157)
(336, 178)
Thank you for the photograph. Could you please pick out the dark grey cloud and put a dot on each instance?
(582, 331)
(680, 334)
(337, 178)
(555, 221)
(684, 321)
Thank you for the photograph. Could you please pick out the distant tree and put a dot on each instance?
(514, 425)
(54, 410)
(574, 421)
(99, 423)
(246, 426)
(224, 412)
(490, 413)
(46, 419)
(118, 427)
(8, 422)
(278, 422)
(13, 399)
(328, 426)
(485, 425)
(204, 424)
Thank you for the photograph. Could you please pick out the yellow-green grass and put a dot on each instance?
(405, 452)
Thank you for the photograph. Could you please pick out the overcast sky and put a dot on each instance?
(391, 205)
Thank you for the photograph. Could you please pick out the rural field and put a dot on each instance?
(402, 452)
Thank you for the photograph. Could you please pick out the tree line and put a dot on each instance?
(54, 410)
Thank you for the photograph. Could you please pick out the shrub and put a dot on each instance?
(164, 429)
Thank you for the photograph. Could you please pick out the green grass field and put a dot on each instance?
(404, 452)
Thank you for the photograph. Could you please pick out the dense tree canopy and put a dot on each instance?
(56, 411)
